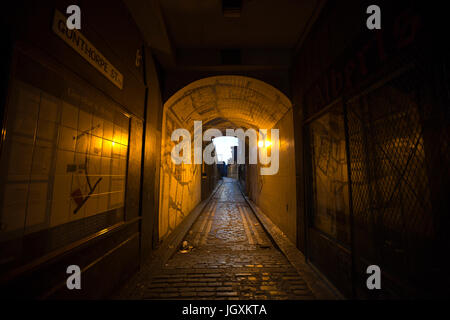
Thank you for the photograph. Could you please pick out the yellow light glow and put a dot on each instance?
(268, 143)
(260, 143)
(113, 143)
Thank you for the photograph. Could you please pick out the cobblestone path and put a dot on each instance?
(232, 258)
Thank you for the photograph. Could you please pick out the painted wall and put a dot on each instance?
(276, 194)
(180, 186)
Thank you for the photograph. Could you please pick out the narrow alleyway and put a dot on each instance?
(232, 258)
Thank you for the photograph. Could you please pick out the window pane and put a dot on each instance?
(329, 175)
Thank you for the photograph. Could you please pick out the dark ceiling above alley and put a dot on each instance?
(178, 31)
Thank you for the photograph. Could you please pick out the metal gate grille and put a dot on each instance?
(393, 222)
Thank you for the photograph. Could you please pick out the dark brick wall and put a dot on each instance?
(210, 177)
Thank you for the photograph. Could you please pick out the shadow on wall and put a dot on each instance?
(180, 187)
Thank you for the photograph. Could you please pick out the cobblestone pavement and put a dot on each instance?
(232, 258)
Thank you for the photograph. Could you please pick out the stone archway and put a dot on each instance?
(219, 102)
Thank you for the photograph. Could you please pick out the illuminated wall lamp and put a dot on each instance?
(264, 144)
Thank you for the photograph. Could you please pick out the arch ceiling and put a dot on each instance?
(228, 102)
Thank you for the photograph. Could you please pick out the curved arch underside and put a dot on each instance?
(228, 102)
